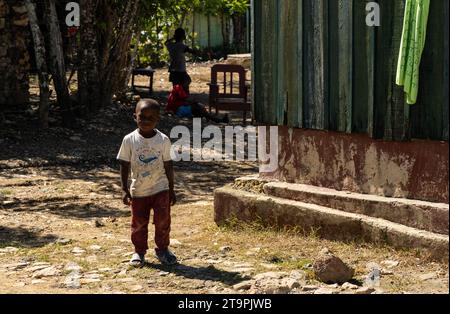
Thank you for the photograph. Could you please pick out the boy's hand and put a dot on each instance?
(173, 198)
(126, 197)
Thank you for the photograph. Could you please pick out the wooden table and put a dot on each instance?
(144, 72)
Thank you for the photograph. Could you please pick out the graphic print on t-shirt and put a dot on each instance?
(146, 158)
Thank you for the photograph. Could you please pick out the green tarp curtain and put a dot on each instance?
(412, 45)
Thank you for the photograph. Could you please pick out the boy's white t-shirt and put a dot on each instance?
(147, 157)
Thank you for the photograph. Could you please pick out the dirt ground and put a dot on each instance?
(63, 228)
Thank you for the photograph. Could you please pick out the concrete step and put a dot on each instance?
(326, 222)
(433, 217)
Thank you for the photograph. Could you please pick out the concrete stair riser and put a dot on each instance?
(326, 222)
(415, 214)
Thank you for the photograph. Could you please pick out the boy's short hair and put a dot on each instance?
(180, 34)
(149, 103)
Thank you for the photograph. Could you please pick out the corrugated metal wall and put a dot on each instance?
(318, 65)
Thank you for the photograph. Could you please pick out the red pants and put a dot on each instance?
(140, 207)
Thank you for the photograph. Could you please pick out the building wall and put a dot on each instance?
(325, 69)
(198, 23)
(14, 56)
(416, 170)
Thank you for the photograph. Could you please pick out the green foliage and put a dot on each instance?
(158, 20)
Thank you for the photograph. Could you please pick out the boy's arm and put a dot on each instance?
(168, 166)
(192, 51)
(124, 174)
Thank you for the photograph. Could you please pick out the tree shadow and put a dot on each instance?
(201, 273)
(60, 207)
(23, 238)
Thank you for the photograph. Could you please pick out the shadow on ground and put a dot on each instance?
(68, 209)
(201, 273)
(24, 238)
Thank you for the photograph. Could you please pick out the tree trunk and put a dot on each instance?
(115, 73)
(193, 30)
(238, 34)
(133, 58)
(39, 51)
(88, 72)
(225, 33)
(57, 61)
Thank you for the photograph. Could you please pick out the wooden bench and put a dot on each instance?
(144, 72)
(229, 93)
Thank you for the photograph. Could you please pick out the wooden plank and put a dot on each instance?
(383, 72)
(345, 64)
(445, 105)
(282, 30)
(291, 25)
(333, 50)
(363, 68)
(432, 76)
(266, 83)
(315, 60)
(371, 46)
(399, 114)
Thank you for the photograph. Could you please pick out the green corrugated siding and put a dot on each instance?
(318, 65)
(201, 29)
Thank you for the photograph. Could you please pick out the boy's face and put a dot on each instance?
(147, 118)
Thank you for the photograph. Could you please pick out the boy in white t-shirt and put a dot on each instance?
(146, 152)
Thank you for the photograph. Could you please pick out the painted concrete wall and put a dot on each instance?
(416, 170)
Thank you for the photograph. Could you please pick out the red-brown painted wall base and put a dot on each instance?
(353, 162)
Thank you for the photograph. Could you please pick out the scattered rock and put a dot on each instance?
(365, 290)
(93, 276)
(20, 284)
(98, 223)
(271, 276)
(46, 272)
(91, 259)
(325, 291)
(349, 286)
(77, 250)
(37, 281)
(16, 266)
(290, 283)
(245, 285)
(136, 288)
(72, 281)
(331, 269)
(390, 264)
(225, 249)
(38, 266)
(296, 274)
(163, 273)
(95, 247)
(63, 241)
(175, 243)
(71, 266)
(9, 249)
(374, 277)
(429, 276)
